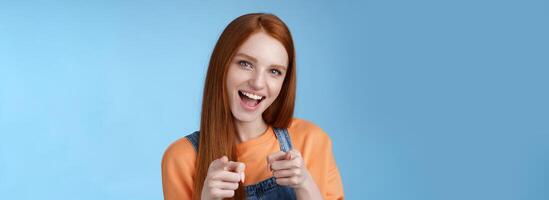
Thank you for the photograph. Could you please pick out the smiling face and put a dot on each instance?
(255, 77)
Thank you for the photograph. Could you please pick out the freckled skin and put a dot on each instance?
(252, 70)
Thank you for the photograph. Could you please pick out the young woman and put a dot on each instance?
(249, 145)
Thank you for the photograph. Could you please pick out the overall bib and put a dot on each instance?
(267, 189)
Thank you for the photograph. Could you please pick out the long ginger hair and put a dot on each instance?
(217, 127)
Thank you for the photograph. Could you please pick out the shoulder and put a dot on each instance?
(315, 146)
(181, 153)
(181, 146)
(303, 132)
(178, 169)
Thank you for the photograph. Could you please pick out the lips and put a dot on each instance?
(249, 100)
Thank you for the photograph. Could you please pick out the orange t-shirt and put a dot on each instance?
(178, 163)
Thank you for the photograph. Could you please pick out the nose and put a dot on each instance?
(257, 82)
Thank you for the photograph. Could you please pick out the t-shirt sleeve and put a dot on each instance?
(316, 148)
(334, 189)
(178, 170)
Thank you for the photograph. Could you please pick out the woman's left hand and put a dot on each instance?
(288, 168)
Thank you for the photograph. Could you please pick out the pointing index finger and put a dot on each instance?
(237, 167)
(276, 156)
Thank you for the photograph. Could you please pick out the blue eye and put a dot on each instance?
(276, 72)
(244, 64)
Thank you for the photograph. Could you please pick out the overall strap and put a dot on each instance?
(283, 139)
(193, 138)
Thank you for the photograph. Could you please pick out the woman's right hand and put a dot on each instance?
(222, 179)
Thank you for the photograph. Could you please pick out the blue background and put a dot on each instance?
(422, 99)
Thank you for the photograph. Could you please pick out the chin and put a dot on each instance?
(246, 117)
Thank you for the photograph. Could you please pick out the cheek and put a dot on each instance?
(275, 88)
(232, 78)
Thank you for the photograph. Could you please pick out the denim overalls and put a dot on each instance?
(268, 188)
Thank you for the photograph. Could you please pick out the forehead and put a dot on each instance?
(266, 49)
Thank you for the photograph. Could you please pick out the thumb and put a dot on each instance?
(224, 159)
(220, 163)
(290, 155)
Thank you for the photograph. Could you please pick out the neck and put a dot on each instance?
(250, 130)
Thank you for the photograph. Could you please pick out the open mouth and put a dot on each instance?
(249, 99)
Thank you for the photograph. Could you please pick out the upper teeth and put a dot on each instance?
(252, 96)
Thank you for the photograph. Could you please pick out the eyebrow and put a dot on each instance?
(255, 60)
